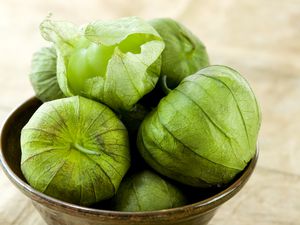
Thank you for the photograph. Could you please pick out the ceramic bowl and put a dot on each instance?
(56, 212)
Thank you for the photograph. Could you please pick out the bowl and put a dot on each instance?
(56, 212)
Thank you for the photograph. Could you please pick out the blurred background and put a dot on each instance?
(259, 38)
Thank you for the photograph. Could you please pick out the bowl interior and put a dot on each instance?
(11, 131)
(11, 157)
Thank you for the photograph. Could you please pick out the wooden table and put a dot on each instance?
(259, 38)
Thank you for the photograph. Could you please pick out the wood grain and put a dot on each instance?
(261, 39)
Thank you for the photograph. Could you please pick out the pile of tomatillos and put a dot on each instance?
(132, 111)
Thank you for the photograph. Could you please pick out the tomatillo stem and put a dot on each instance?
(84, 150)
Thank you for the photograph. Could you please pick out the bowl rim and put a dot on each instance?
(202, 206)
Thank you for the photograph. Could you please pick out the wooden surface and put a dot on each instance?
(259, 38)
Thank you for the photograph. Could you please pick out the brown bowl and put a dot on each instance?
(56, 212)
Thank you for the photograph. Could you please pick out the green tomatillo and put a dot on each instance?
(204, 131)
(115, 62)
(147, 191)
(43, 75)
(184, 53)
(75, 149)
